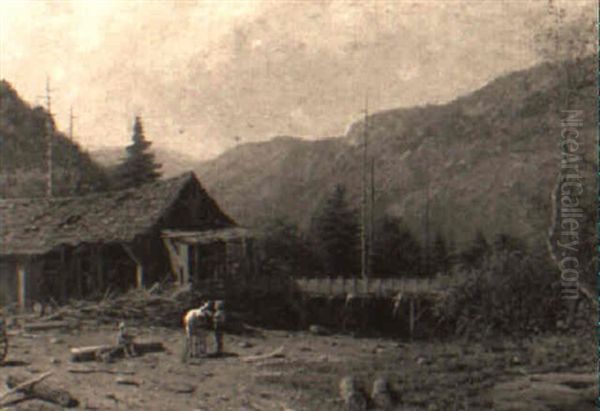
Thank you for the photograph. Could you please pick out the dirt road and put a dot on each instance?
(428, 376)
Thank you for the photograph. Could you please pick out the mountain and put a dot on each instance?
(173, 163)
(24, 148)
(487, 160)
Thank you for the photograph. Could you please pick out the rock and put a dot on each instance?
(545, 392)
(245, 344)
(352, 394)
(516, 360)
(54, 360)
(318, 330)
(381, 394)
(56, 340)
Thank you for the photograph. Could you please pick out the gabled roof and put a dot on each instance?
(37, 225)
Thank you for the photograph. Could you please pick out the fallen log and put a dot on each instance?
(47, 325)
(277, 353)
(99, 370)
(42, 390)
(97, 352)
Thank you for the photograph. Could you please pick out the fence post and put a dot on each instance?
(380, 288)
(412, 317)
(343, 285)
(354, 285)
(330, 280)
(366, 285)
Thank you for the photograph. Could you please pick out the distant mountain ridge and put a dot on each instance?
(172, 162)
(487, 160)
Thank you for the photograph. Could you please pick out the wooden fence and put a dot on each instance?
(327, 286)
(375, 286)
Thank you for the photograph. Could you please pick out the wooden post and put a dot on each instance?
(226, 258)
(77, 263)
(63, 277)
(22, 280)
(99, 268)
(411, 317)
(196, 269)
(139, 269)
(330, 285)
(173, 258)
(244, 256)
(184, 258)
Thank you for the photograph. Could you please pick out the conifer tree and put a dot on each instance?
(337, 231)
(139, 167)
(396, 252)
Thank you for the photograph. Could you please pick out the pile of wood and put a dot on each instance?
(140, 306)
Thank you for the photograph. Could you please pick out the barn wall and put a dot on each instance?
(8, 282)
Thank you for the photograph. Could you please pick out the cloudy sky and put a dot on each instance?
(206, 75)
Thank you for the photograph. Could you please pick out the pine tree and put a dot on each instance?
(479, 250)
(337, 231)
(139, 166)
(441, 257)
(396, 252)
(286, 250)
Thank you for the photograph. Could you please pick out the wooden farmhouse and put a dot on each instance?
(78, 247)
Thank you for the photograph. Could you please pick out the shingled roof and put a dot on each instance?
(37, 225)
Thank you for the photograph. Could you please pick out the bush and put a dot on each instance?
(510, 293)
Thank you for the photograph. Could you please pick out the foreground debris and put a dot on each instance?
(274, 354)
(108, 352)
(37, 388)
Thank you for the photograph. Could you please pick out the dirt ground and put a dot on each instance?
(425, 375)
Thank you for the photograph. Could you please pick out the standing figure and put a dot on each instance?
(125, 340)
(219, 319)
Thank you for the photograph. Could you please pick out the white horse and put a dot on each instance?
(194, 323)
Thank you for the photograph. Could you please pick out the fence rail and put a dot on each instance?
(328, 286)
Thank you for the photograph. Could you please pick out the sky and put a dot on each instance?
(207, 75)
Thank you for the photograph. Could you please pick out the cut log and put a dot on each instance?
(43, 391)
(96, 352)
(47, 325)
(277, 353)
